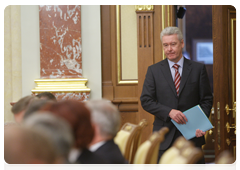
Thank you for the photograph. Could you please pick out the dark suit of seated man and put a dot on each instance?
(78, 116)
(106, 121)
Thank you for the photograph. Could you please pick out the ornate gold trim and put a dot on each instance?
(119, 78)
(233, 64)
(118, 43)
(168, 12)
(144, 8)
(163, 26)
(165, 12)
(128, 82)
(61, 85)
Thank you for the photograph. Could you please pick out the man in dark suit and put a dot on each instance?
(106, 122)
(165, 99)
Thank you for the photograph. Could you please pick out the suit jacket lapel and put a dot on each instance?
(185, 73)
(168, 76)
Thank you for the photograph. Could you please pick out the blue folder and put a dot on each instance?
(196, 120)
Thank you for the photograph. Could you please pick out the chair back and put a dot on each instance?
(137, 139)
(147, 152)
(225, 157)
(125, 137)
(182, 152)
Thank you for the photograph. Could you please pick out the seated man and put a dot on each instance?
(106, 121)
(79, 118)
(23, 145)
(19, 108)
(56, 128)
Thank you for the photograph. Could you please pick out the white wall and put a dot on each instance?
(30, 47)
(91, 48)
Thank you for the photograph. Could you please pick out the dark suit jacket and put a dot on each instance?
(159, 95)
(111, 152)
(88, 157)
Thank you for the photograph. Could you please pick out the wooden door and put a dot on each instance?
(126, 95)
(224, 78)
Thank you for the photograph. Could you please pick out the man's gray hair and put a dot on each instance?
(105, 115)
(56, 128)
(171, 31)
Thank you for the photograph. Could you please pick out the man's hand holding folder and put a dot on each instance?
(191, 123)
(178, 116)
(199, 133)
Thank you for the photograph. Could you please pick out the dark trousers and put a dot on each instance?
(176, 135)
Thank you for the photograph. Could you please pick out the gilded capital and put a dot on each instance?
(144, 8)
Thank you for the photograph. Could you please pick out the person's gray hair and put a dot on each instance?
(171, 31)
(105, 115)
(56, 128)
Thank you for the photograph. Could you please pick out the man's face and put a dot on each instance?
(172, 47)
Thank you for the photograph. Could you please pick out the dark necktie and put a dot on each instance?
(177, 78)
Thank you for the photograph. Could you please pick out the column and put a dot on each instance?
(61, 53)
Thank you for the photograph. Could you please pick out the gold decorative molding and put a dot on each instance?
(166, 21)
(233, 64)
(144, 8)
(163, 26)
(61, 85)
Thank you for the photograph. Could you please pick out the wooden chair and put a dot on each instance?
(182, 152)
(129, 138)
(137, 139)
(125, 137)
(147, 153)
(225, 157)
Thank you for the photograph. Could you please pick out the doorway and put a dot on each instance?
(210, 38)
(196, 26)
(224, 66)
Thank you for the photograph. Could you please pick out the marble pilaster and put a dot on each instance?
(61, 51)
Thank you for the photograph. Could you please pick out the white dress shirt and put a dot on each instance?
(180, 68)
(95, 146)
(74, 154)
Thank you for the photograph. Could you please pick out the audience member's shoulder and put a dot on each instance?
(88, 157)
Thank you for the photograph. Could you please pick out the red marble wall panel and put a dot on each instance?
(79, 96)
(60, 41)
